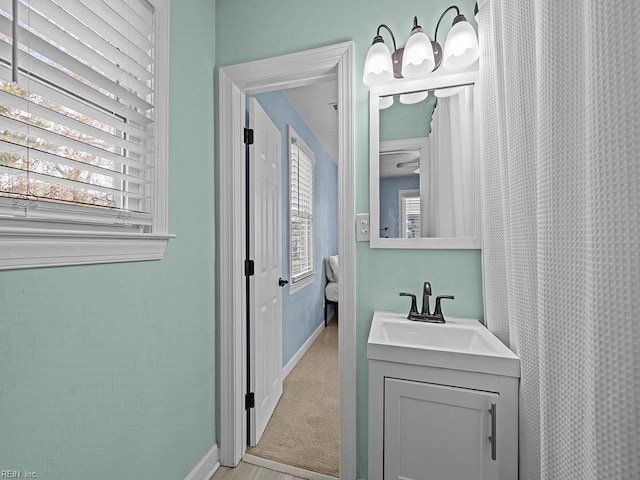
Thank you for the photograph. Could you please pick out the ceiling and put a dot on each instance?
(315, 103)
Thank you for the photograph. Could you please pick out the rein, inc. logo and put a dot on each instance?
(18, 474)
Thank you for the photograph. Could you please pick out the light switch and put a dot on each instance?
(362, 227)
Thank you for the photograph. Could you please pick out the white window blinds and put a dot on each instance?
(77, 111)
(301, 186)
(410, 213)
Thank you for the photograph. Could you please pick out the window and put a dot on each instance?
(301, 191)
(409, 214)
(83, 115)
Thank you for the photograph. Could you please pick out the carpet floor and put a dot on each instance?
(304, 430)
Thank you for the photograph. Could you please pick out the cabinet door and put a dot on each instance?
(434, 432)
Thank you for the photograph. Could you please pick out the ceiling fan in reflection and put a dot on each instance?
(410, 164)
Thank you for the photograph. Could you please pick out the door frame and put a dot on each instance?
(234, 82)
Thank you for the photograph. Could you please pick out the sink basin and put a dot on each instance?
(459, 344)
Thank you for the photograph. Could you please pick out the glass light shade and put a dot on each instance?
(415, 97)
(461, 47)
(378, 69)
(447, 92)
(385, 102)
(417, 59)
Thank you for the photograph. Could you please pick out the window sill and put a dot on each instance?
(33, 248)
(305, 282)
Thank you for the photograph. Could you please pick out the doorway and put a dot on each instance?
(235, 82)
(302, 428)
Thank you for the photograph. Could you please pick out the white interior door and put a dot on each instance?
(265, 246)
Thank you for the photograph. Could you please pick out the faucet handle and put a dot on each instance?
(438, 310)
(414, 304)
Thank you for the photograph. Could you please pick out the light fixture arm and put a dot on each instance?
(393, 38)
(456, 20)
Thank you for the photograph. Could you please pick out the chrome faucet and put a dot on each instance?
(425, 315)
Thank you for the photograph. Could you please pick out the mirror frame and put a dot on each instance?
(437, 80)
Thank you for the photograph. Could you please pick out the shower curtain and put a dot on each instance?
(561, 226)
(451, 166)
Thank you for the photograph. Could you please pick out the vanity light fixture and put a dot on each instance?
(379, 64)
(385, 102)
(461, 48)
(421, 56)
(415, 97)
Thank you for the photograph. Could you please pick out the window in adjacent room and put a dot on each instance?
(83, 129)
(301, 211)
(409, 214)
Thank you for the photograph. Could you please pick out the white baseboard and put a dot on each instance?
(206, 467)
(288, 469)
(286, 370)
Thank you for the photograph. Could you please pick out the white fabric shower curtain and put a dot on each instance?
(448, 174)
(561, 226)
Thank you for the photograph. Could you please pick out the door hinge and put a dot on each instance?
(249, 401)
(248, 136)
(249, 268)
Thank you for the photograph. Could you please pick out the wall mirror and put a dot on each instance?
(424, 163)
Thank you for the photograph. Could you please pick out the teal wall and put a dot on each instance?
(401, 121)
(254, 29)
(108, 371)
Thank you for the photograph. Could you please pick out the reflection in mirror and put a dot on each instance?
(428, 157)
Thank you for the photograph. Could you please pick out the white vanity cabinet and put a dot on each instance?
(431, 422)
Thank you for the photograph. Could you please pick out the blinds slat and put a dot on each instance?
(69, 23)
(71, 103)
(77, 185)
(15, 149)
(50, 52)
(68, 122)
(88, 94)
(63, 41)
(114, 21)
(305, 197)
(12, 125)
(304, 180)
(305, 164)
(143, 8)
(132, 17)
(303, 272)
(102, 28)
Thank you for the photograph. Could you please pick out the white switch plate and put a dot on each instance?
(362, 227)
